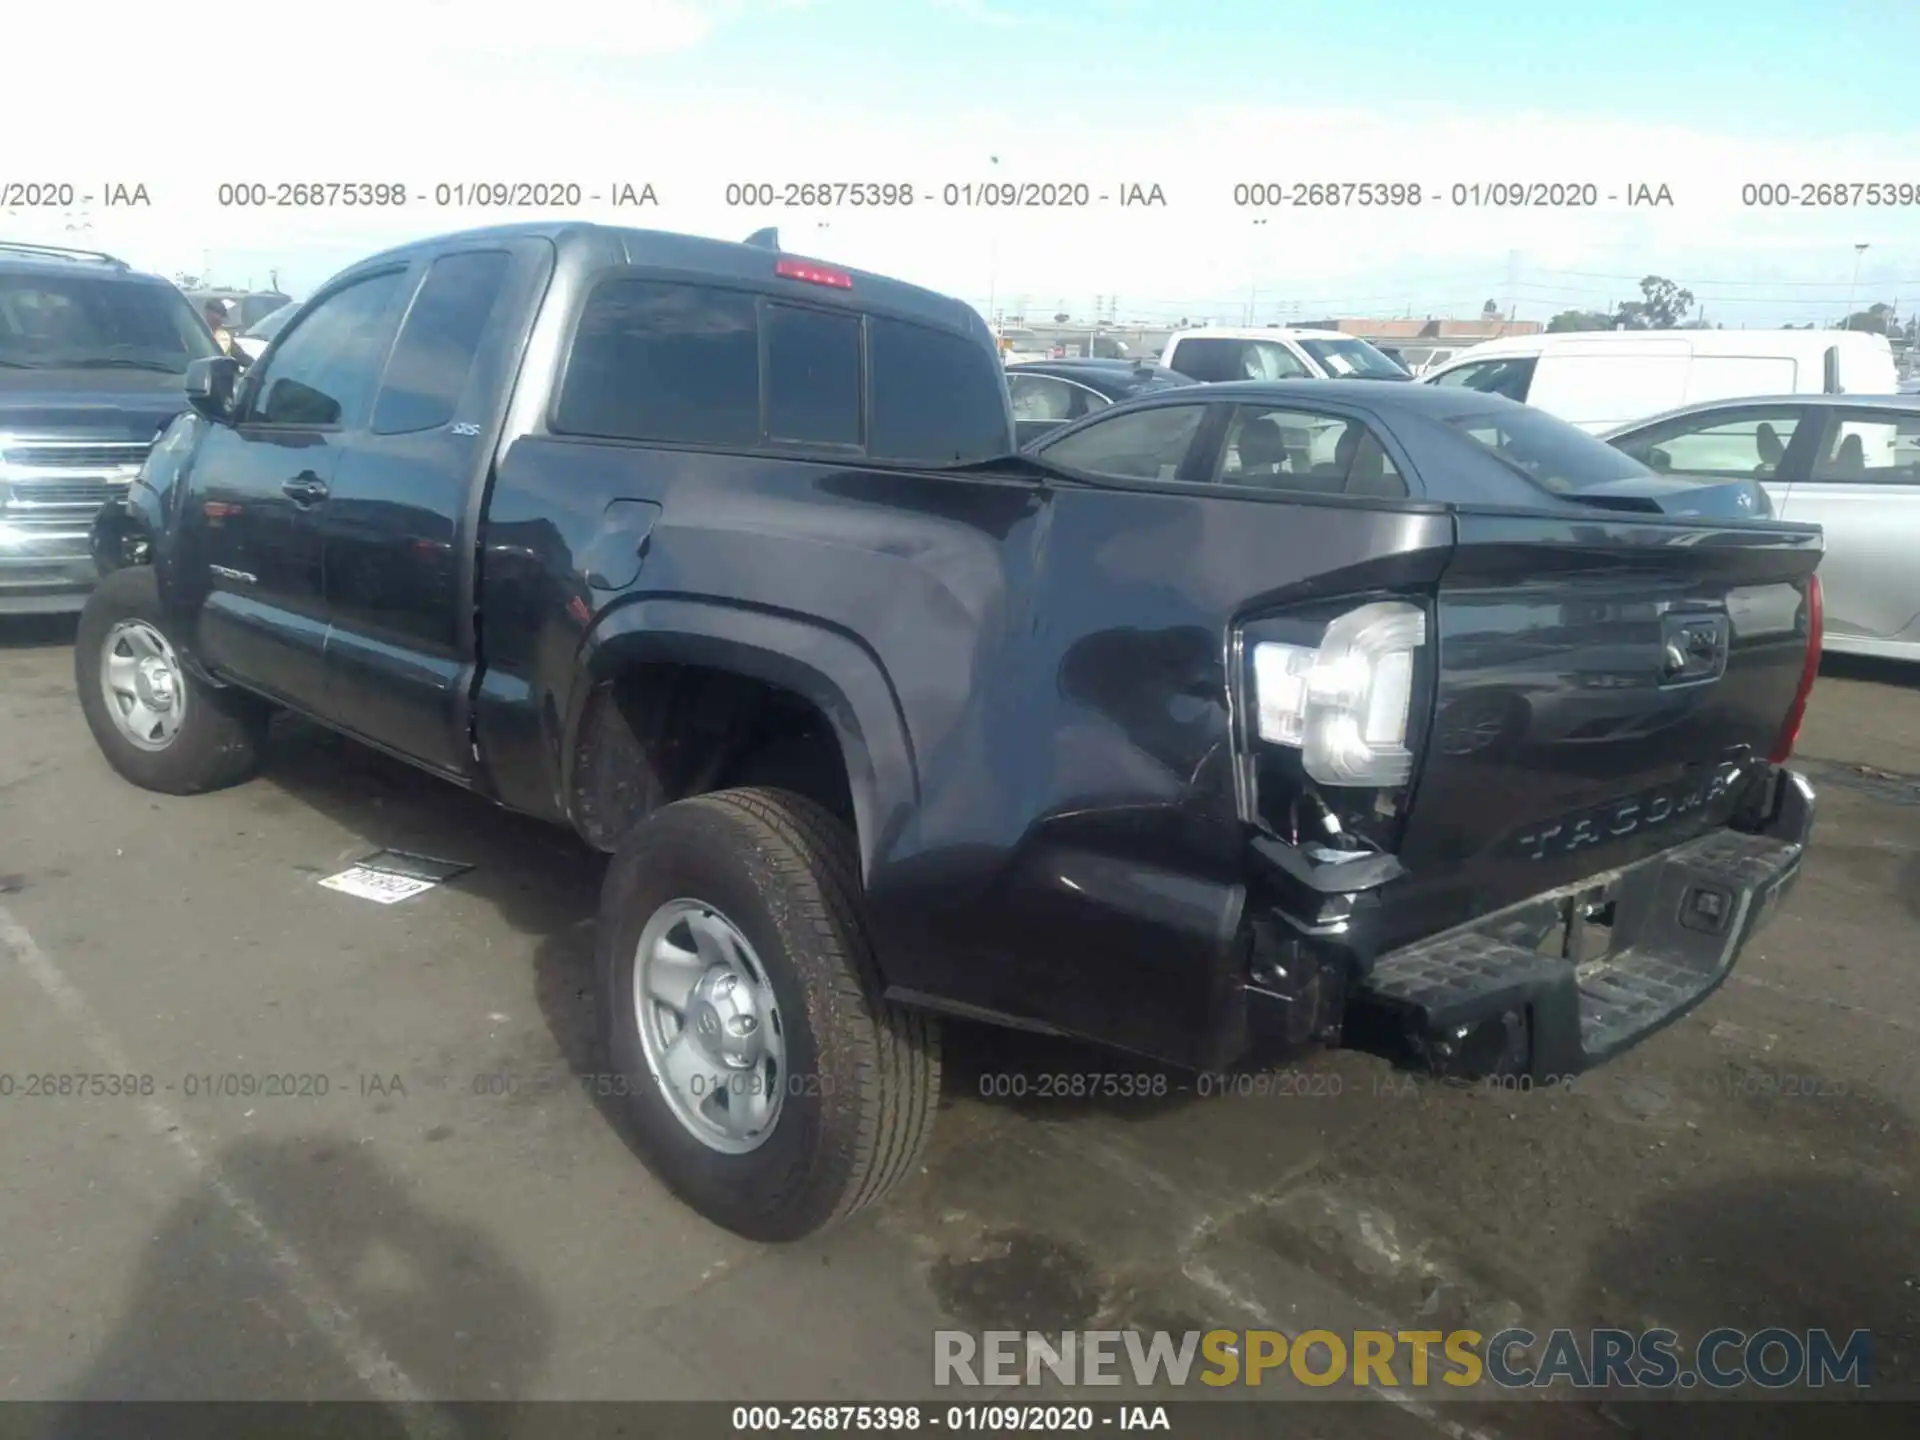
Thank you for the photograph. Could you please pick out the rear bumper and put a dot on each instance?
(1472, 1002)
(45, 573)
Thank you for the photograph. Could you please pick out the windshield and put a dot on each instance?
(273, 324)
(59, 322)
(1344, 358)
(1549, 451)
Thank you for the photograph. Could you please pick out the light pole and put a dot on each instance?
(1253, 280)
(993, 256)
(1853, 286)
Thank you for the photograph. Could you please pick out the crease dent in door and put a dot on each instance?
(611, 559)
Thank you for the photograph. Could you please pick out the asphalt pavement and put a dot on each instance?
(350, 1154)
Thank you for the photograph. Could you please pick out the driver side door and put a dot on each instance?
(260, 483)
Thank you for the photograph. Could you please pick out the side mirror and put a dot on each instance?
(211, 383)
(1659, 460)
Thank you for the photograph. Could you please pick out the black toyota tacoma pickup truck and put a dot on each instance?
(1231, 718)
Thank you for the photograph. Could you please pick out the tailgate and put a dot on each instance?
(1605, 688)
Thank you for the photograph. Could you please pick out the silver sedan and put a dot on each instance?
(1848, 463)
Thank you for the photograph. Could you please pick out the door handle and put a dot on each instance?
(306, 488)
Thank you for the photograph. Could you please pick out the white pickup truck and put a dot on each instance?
(1218, 354)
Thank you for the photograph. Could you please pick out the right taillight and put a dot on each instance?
(1809, 671)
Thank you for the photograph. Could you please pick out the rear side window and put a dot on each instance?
(938, 399)
(438, 340)
(1147, 444)
(1304, 451)
(1552, 453)
(682, 364)
(664, 362)
(1868, 447)
(1737, 445)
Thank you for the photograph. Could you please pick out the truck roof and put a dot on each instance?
(577, 243)
(21, 258)
(1703, 342)
(1257, 332)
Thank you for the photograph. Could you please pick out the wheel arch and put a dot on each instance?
(834, 674)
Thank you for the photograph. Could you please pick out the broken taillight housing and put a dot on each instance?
(1809, 672)
(1344, 703)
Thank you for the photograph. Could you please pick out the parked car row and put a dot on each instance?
(92, 355)
(1799, 424)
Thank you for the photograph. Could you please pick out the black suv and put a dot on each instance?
(93, 357)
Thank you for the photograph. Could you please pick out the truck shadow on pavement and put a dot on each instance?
(544, 883)
(1799, 1251)
(303, 1270)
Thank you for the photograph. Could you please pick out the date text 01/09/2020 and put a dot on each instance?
(443, 194)
(1475, 194)
(963, 195)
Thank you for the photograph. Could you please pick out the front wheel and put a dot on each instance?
(767, 1080)
(157, 723)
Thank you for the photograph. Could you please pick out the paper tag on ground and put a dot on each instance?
(376, 885)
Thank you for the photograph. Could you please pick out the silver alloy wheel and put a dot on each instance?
(144, 686)
(709, 1026)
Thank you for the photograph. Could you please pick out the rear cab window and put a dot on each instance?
(677, 363)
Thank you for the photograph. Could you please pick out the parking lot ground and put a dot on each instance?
(428, 1203)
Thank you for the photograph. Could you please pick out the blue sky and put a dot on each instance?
(1760, 66)
(1194, 94)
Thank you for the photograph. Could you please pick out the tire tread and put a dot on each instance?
(897, 1050)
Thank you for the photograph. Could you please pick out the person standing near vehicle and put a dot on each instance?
(215, 313)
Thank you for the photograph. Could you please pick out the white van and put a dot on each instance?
(1600, 379)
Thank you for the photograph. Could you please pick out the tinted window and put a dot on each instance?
(326, 366)
(938, 399)
(50, 322)
(659, 361)
(1549, 451)
(1217, 358)
(1747, 444)
(1868, 448)
(1137, 445)
(1048, 397)
(437, 343)
(1511, 378)
(813, 376)
(1304, 451)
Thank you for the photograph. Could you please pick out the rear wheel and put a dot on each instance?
(767, 1080)
(158, 725)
